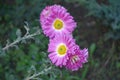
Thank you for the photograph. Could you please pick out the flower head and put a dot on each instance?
(76, 58)
(58, 25)
(56, 20)
(45, 14)
(49, 11)
(58, 49)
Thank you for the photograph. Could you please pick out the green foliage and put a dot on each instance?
(92, 48)
(16, 12)
(108, 12)
(30, 56)
(17, 61)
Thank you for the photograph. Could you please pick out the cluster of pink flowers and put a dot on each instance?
(58, 25)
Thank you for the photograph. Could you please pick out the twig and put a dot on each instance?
(110, 55)
(37, 74)
(112, 50)
(20, 39)
(108, 59)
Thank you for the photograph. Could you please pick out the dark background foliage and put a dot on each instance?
(98, 30)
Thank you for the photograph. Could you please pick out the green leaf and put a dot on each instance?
(84, 73)
(92, 48)
(118, 64)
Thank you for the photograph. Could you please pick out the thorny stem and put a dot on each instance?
(20, 39)
(37, 74)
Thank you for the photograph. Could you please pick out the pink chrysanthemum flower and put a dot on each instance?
(57, 21)
(48, 12)
(58, 49)
(76, 58)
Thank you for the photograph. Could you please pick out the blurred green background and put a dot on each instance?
(98, 29)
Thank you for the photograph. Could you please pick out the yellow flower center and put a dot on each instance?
(58, 24)
(74, 59)
(62, 49)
